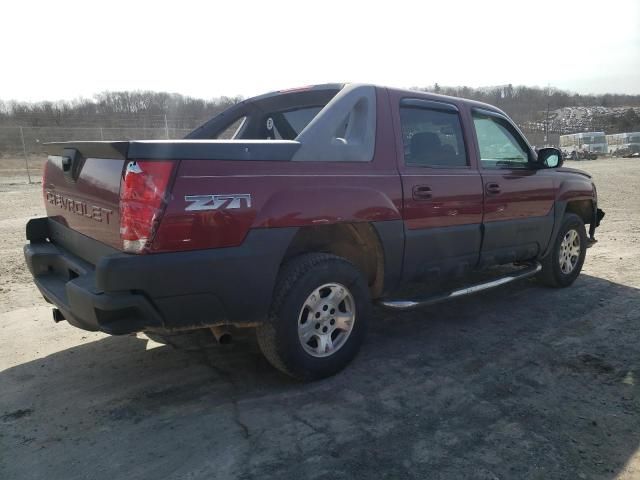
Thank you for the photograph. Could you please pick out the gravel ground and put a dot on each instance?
(523, 382)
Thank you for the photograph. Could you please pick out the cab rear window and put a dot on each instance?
(288, 125)
(277, 116)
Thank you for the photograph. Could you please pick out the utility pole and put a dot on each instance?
(166, 126)
(546, 127)
(26, 157)
(546, 118)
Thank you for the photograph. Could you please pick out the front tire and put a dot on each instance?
(318, 317)
(564, 262)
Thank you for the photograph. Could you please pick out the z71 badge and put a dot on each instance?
(218, 202)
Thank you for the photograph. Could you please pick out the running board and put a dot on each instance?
(417, 303)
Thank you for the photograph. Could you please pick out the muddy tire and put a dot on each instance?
(318, 317)
(563, 264)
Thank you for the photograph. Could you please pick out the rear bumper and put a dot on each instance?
(69, 283)
(119, 293)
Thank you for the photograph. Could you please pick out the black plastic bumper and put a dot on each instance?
(69, 283)
(119, 293)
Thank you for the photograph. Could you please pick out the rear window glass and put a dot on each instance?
(230, 132)
(278, 116)
(299, 119)
(287, 125)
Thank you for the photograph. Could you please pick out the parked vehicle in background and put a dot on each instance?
(580, 155)
(585, 145)
(624, 144)
(325, 199)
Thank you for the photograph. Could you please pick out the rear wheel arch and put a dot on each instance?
(358, 243)
(301, 314)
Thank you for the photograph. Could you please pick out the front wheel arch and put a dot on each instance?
(552, 274)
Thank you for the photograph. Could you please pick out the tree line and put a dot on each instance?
(521, 98)
(147, 109)
(529, 106)
(143, 109)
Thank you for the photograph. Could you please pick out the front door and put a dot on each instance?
(519, 197)
(442, 205)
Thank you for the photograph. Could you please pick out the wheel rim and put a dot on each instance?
(326, 320)
(569, 252)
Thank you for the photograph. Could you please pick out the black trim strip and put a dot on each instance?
(430, 104)
(90, 149)
(269, 150)
(490, 113)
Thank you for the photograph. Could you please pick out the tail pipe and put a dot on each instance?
(57, 315)
(222, 334)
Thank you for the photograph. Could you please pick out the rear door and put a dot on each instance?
(442, 191)
(519, 197)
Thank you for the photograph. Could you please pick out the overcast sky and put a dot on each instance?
(67, 49)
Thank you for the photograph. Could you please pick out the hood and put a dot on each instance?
(573, 170)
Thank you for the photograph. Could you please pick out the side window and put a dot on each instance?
(500, 145)
(432, 138)
(231, 130)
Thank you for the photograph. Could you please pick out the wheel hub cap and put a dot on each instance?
(569, 252)
(326, 319)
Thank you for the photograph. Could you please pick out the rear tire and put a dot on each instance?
(564, 262)
(318, 317)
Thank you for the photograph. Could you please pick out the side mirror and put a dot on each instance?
(549, 157)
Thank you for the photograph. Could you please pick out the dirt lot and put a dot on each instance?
(522, 382)
(13, 168)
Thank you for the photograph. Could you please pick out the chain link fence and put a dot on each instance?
(23, 150)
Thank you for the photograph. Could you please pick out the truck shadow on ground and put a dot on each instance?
(523, 382)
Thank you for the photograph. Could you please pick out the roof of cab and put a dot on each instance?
(403, 91)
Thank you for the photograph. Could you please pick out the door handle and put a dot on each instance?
(421, 192)
(492, 188)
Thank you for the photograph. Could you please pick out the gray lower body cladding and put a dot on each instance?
(125, 293)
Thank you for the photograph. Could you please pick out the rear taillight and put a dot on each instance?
(143, 198)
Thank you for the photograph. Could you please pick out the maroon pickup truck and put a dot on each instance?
(292, 211)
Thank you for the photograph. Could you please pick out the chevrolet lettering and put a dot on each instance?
(99, 214)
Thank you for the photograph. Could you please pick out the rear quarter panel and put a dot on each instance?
(285, 194)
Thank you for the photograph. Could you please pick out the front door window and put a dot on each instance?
(500, 145)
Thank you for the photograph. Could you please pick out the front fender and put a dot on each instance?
(575, 188)
(570, 189)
